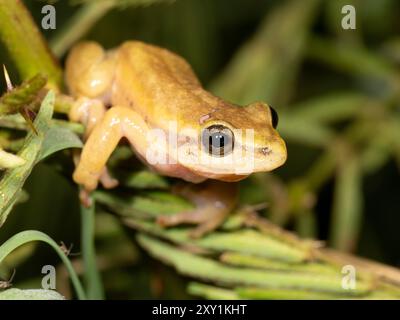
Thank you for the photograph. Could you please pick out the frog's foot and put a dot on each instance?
(91, 183)
(88, 179)
(107, 179)
(84, 197)
(214, 201)
(207, 218)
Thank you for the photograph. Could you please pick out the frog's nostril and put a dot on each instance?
(266, 151)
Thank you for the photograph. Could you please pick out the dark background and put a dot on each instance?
(208, 33)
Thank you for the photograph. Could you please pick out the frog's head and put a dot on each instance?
(234, 142)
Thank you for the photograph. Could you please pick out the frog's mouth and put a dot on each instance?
(243, 159)
(237, 165)
(226, 177)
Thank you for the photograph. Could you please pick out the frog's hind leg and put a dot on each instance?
(214, 200)
(89, 112)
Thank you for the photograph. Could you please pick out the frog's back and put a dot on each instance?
(159, 84)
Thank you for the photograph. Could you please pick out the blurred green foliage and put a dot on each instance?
(337, 94)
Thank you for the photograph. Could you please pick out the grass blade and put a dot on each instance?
(347, 208)
(31, 235)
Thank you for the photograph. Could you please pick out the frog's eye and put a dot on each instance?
(218, 140)
(274, 117)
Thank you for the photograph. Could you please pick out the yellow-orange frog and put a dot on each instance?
(152, 97)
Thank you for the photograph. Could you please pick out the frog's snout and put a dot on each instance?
(271, 156)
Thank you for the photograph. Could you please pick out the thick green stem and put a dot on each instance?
(94, 287)
(25, 43)
(79, 25)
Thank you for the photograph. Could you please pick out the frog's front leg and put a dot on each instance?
(117, 122)
(89, 112)
(214, 200)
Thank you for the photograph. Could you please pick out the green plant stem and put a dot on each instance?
(266, 66)
(9, 160)
(88, 15)
(79, 25)
(16, 122)
(347, 206)
(31, 235)
(25, 43)
(355, 61)
(94, 287)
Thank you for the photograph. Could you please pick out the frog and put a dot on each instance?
(142, 93)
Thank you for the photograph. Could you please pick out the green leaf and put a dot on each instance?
(148, 204)
(265, 67)
(284, 294)
(253, 261)
(30, 294)
(211, 292)
(9, 160)
(123, 3)
(25, 43)
(24, 237)
(354, 60)
(246, 241)
(14, 179)
(331, 107)
(252, 242)
(144, 179)
(303, 131)
(86, 17)
(201, 267)
(49, 140)
(12, 101)
(57, 139)
(347, 207)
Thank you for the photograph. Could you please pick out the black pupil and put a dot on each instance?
(217, 139)
(274, 116)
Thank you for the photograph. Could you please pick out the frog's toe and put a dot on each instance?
(211, 218)
(204, 228)
(85, 178)
(84, 197)
(207, 219)
(107, 180)
(191, 217)
(213, 202)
